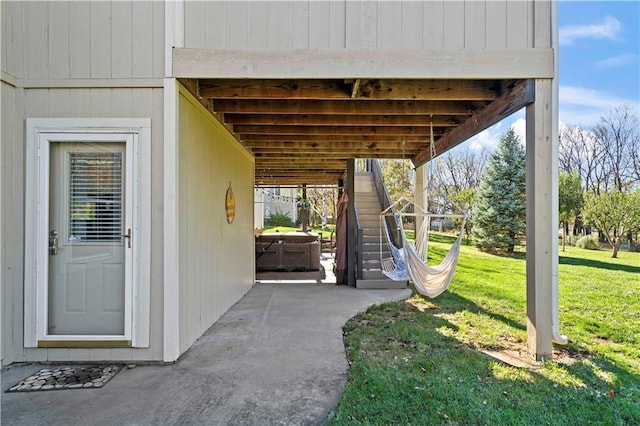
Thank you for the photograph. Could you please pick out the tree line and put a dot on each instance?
(599, 184)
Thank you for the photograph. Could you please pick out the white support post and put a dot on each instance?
(421, 196)
(171, 307)
(541, 231)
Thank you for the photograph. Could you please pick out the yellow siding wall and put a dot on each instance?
(216, 259)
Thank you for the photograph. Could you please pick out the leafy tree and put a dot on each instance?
(398, 178)
(613, 213)
(500, 207)
(570, 197)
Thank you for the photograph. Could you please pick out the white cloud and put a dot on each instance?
(608, 29)
(520, 127)
(585, 107)
(616, 61)
(490, 137)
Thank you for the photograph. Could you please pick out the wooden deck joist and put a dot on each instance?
(341, 120)
(304, 130)
(353, 107)
(521, 95)
(373, 89)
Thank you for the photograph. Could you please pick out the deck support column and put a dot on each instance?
(541, 156)
(352, 229)
(421, 195)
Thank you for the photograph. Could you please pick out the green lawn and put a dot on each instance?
(274, 229)
(419, 361)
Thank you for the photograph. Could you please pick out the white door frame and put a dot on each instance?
(41, 133)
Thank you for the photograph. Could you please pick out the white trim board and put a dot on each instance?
(171, 273)
(36, 215)
(93, 83)
(316, 63)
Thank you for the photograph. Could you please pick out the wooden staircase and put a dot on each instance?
(368, 207)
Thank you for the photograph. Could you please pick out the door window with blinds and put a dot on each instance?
(87, 262)
(96, 187)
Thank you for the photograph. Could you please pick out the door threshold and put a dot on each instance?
(84, 343)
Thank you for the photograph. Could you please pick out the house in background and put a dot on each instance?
(134, 133)
(275, 200)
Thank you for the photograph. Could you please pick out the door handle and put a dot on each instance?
(128, 236)
(53, 242)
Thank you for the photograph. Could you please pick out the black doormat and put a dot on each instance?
(72, 377)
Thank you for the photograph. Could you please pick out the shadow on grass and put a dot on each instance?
(452, 302)
(404, 369)
(598, 264)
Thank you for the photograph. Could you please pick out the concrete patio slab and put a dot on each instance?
(275, 358)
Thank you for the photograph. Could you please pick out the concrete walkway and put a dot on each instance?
(276, 357)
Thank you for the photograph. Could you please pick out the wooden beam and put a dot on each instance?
(364, 63)
(300, 165)
(373, 89)
(356, 107)
(355, 88)
(331, 130)
(300, 173)
(521, 95)
(337, 138)
(343, 120)
(429, 90)
(329, 146)
(329, 180)
(326, 155)
(274, 89)
(347, 153)
(329, 164)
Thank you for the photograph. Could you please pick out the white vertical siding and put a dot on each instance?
(121, 40)
(215, 258)
(88, 102)
(87, 39)
(11, 223)
(79, 42)
(433, 24)
(475, 20)
(58, 38)
(518, 24)
(496, 24)
(412, 28)
(454, 24)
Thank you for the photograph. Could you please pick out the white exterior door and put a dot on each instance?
(88, 239)
(87, 233)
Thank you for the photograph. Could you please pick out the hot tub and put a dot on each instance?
(288, 251)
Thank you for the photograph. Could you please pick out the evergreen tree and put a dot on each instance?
(500, 206)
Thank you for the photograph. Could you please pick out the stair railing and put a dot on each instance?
(373, 165)
(360, 242)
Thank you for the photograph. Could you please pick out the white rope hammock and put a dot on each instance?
(410, 261)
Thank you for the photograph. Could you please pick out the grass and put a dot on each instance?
(325, 234)
(420, 362)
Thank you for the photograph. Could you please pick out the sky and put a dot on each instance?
(599, 65)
